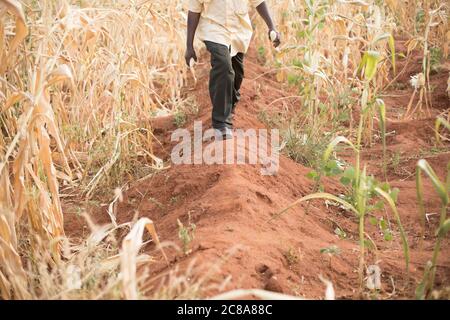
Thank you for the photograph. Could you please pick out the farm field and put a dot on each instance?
(93, 207)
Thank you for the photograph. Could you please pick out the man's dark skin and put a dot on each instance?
(194, 19)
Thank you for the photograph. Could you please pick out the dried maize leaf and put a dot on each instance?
(129, 255)
(5, 287)
(15, 7)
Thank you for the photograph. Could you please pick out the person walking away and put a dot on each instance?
(225, 28)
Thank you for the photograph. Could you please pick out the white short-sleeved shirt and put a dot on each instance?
(225, 22)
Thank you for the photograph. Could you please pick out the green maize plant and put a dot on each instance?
(440, 122)
(443, 190)
(363, 189)
(328, 167)
(382, 115)
(368, 69)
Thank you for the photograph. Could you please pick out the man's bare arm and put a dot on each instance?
(264, 12)
(192, 24)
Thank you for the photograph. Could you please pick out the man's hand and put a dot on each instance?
(192, 23)
(190, 54)
(274, 36)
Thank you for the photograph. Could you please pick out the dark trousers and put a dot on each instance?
(225, 82)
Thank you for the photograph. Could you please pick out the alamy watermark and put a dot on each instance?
(251, 146)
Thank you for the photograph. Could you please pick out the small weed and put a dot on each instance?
(179, 118)
(304, 147)
(384, 227)
(186, 234)
(269, 119)
(157, 203)
(331, 250)
(340, 233)
(291, 256)
(395, 161)
(435, 59)
(262, 54)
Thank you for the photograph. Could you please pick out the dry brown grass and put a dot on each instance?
(78, 86)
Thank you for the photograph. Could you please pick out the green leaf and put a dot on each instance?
(345, 181)
(362, 63)
(373, 57)
(331, 250)
(349, 173)
(301, 34)
(394, 194)
(383, 224)
(340, 233)
(440, 121)
(368, 244)
(423, 166)
(382, 114)
(332, 146)
(392, 47)
(379, 205)
(373, 221)
(313, 175)
(421, 288)
(419, 192)
(331, 164)
(388, 236)
(391, 203)
(444, 228)
(332, 168)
